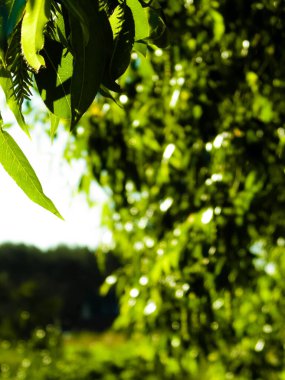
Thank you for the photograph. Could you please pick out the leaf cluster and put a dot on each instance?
(73, 49)
(69, 50)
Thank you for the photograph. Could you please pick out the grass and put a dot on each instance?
(79, 357)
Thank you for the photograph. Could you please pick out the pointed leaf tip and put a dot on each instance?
(18, 167)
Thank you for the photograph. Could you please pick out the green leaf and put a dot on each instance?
(18, 167)
(7, 86)
(59, 32)
(55, 80)
(54, 122)
(123, 27)
(79, 14)
(116, 20)
(32, 38)
(11, 12)
(89, 60)
(140, 19)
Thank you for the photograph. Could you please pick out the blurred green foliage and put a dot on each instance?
(81, 357)
(193, 164)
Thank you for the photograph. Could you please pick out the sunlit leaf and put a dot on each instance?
(140, 19)
(60, 34)
(32, 38)
(18, 167)
(55, 80)
(123, 27)
(54, 122)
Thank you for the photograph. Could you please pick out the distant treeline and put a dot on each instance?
(58, 287)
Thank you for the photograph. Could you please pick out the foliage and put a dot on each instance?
(18, 167)
(69, 50)
(194, 167)
(82, 357)
(79, 359)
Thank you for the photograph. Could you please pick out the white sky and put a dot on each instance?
(22, 221)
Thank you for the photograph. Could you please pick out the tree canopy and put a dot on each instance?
(193, 163)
